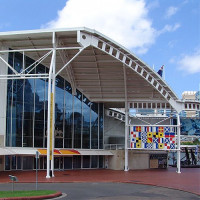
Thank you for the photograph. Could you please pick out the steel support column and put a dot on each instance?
(53, 113)
(126, 123)
(50, 122)
(178, 144)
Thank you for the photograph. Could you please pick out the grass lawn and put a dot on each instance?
(26, 193)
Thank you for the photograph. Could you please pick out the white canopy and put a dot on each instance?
(98, 69)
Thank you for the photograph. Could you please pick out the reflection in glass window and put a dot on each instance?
(76, 162)
(86, 123)
(78, 122)
(68, 130)
(67, 162)
(7, 162)
(94, 126)
(28, 162)
(77, 119)
(59, 114)
(86, 161)
(100, 126)
(94, 161)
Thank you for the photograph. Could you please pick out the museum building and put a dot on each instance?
(61, 95)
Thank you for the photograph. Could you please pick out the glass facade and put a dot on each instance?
(60, 163)
(78, 122)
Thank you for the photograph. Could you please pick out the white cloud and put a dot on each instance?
(125, 21)
(190, 63)
(169, 28)
(171, 11)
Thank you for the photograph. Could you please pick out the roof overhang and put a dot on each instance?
(57, 152)
(96, 65)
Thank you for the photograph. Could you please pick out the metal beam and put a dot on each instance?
(65, 58)
(126, 122)
(9, 65)
(178, 144)
(69, 62)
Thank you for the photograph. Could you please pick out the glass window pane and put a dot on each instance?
(68, 116)
(58, 142)
(38, 142)
(77, 119)
(94, 161)
(94, 126)
(13, 162)
(28, 162)
(59, 112)
(17, 132)
(86, 161)
(101, 161)
(100, 126)
(86, 123)
(76, 162)
(19, 162)
(67, 162)
(7, 162)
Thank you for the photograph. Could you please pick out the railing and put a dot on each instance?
(115, 114)
(114, 146)
(189, 138)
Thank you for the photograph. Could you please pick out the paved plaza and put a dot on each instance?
(108, 184)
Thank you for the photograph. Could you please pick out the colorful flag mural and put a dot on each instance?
(149, 137)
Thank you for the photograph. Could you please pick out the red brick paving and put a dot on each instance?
(188, 180)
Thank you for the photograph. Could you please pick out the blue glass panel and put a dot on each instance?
(94, 126)
(59, 112)
(86, 123)
(18, 61)
(8, 131)
(68, 116)
(16, 132)
(39, 128)
(77, 119)
(28, 133)
(29, 91)
(18, 86)
(100, 126)
(39, 109)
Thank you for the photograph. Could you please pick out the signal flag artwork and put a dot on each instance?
(162, 138)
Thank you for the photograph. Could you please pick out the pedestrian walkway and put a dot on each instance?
(188, 180)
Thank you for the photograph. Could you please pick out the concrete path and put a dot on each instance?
(107, 191)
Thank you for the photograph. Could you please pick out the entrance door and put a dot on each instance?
(67, 162)
(56, 163)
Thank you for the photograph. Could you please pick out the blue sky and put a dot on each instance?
(160, 32)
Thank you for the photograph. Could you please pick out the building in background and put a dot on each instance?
(191, 96)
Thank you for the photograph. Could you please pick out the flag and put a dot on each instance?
(160, 71)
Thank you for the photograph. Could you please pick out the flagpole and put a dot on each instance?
(163, 72)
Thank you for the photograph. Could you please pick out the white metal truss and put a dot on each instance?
(86, 39)
(65, 58)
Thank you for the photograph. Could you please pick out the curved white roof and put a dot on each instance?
(98, 70)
